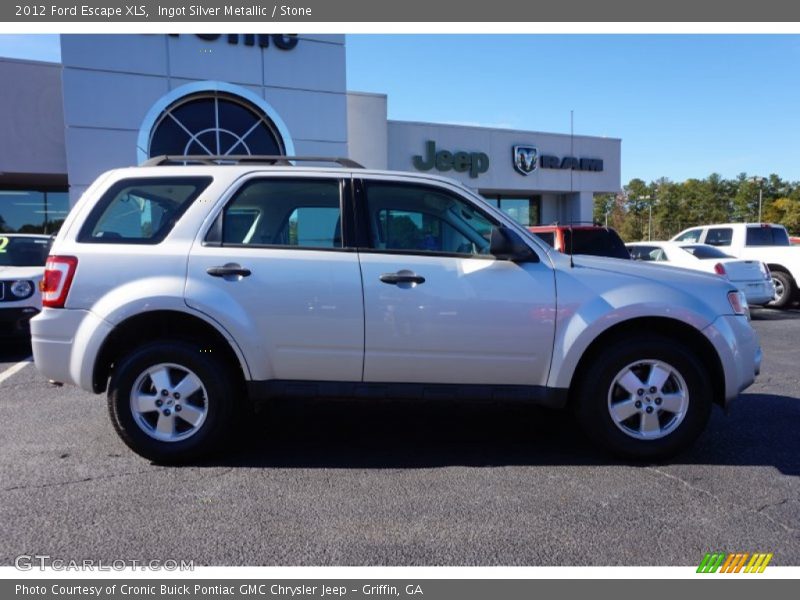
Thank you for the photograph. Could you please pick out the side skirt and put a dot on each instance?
(264, 391)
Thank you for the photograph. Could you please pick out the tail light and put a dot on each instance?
(719, 269)
(58, 274)
(738, 303)
(765, 271)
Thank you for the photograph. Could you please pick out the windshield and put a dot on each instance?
(596, 242)
(17, 251)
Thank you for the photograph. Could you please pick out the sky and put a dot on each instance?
(684, 105)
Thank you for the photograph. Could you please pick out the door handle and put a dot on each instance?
(229, 270)
(402, 277)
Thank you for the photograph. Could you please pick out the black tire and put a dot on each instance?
(783, 281)
(596, 397)
(217, 402)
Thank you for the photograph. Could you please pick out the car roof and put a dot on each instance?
(733, 225)
(236, 170)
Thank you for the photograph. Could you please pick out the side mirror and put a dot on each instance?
(507, 244)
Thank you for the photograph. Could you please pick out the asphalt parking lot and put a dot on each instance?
(355, 484)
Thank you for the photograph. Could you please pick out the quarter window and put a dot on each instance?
(284, 212)
(141, 211)
(425, 219)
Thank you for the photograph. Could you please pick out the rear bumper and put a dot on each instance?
(757, 294)
(739, 351)
(65, 343)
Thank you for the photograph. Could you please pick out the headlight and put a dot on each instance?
(21, 289)
(739, 303)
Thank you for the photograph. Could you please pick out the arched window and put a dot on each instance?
(213, 121)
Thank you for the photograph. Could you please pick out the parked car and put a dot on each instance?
(768, 243)
(22, 258)
(593, 240)
(188, 292)
(751, 276)
(794, 241)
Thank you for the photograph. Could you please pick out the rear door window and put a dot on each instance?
(141, 211)
(298, 213)
(719, 236)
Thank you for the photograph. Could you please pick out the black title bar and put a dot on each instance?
(341, 11)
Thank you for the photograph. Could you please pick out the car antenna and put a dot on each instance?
(571, 192)
(571, 246)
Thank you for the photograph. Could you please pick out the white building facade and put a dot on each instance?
(116, 100)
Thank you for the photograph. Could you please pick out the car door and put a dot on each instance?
(274, 271)
(438, 308)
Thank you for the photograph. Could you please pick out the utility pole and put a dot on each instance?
(760, 182)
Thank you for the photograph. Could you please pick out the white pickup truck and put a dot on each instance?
(766, 242)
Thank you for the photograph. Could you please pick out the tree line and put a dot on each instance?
(660, 209)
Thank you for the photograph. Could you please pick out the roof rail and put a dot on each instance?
(211, 159)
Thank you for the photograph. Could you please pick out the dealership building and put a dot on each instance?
(116, 100)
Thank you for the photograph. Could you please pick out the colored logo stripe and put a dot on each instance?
(711, 562)
(758, 563)
(734, 562)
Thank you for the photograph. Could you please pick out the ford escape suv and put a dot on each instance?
(188, 289)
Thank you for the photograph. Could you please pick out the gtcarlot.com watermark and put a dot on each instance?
(42, 562)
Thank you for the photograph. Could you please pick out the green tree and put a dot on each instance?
(785, 211)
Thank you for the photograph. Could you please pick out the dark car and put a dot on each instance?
(583, 239)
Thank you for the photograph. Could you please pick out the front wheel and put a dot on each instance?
(645, 399)
(170, 402)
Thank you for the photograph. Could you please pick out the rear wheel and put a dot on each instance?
(170, 402)
(645, 398)
(784, 289)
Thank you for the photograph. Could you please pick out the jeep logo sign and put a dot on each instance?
(473, 163)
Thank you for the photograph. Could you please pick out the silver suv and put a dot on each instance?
(190, 289)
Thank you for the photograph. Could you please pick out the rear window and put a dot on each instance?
(547, 236)
(141, 211)
(596, 242)
(705, 252)
(767, 236)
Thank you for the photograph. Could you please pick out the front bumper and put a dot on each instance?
(15, 322)
(739, 351)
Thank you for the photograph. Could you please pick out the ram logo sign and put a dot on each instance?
(525, 158)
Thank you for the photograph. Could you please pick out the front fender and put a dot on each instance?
(586, 312)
